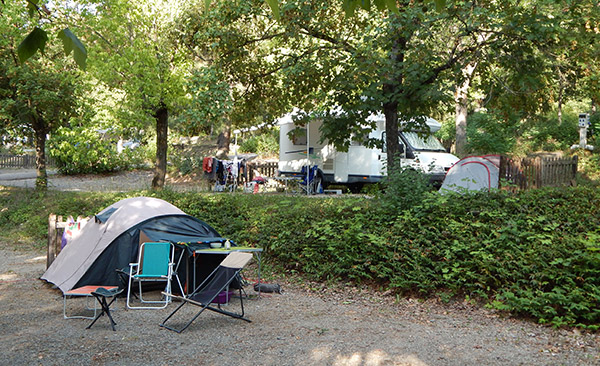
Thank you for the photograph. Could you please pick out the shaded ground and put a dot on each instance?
(114, 182)
(342, 326)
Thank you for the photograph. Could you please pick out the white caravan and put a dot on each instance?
(360, 164)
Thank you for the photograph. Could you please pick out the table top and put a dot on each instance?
(87, 290)
(227, 251)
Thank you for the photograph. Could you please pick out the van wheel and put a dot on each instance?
(355, 187)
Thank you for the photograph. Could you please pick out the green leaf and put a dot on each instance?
(440, 5)
(349, 7)
(32, 7)
(392, 6)
(274, 4)
(72, 43)
(36, 40)
(207, 5)
(381, 4)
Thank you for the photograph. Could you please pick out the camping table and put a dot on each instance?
(224, 251)
(85, 291)
(291, 181)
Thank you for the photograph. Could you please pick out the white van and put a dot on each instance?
(360, 164)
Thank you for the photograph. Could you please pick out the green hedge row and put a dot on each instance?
(534, 253)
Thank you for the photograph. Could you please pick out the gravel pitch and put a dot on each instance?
(308, 324)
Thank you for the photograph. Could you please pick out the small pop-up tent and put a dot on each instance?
(473, 173)
(110, 241)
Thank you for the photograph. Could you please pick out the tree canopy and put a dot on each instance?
(208, 66)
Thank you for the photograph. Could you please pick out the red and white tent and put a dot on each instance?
(473, 173)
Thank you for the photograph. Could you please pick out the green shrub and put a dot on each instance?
(489, 134)
(404, 188)
(266, 143)
(82, 150)
(589, 165)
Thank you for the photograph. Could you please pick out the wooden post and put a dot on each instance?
(51, 239)
(54, 237)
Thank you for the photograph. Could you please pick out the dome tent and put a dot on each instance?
(473, 173)
(111, 239)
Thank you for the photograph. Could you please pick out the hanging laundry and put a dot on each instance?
(207, 164)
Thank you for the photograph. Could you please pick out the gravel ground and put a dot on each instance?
(114, 182)
(302, 326)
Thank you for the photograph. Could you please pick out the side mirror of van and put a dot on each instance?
(401, 149)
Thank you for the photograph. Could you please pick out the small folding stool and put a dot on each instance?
(101, 294)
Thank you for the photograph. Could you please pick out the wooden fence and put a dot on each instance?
(21, 161)
(536, 172)
(263, 170)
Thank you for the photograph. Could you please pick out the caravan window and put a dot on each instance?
(384, 144)
(427, 143)
(299, 136)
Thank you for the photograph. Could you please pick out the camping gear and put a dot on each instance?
(309, 183)
(155, 263)
(473, 173)
(101, 294)
(111, 241)
(267, 287)
(211, 288)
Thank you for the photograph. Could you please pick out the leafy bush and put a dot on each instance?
(404, 188)
(547, 134)
(595, 127)
(82, 150)
(264, 144)
(185, 164)
(489, 134)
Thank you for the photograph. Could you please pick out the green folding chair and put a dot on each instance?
(155, 264)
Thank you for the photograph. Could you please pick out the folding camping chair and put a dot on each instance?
(206, 293)
(155, 263)
(310, 182)
(101, 294)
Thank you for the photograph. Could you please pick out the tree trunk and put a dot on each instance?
(461, 99)
(223, 142)
(392, 138)
(559, 113)
(41, 181)
(391, 89)
(561, 89)
(162, 128)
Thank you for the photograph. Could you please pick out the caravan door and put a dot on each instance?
(340, 167)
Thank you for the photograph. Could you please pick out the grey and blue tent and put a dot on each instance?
(110, 241)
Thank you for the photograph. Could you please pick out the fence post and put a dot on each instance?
(574, 170)
(54, 237)
(51, 240)
(502, 171)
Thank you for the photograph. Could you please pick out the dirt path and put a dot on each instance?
(299, 327)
